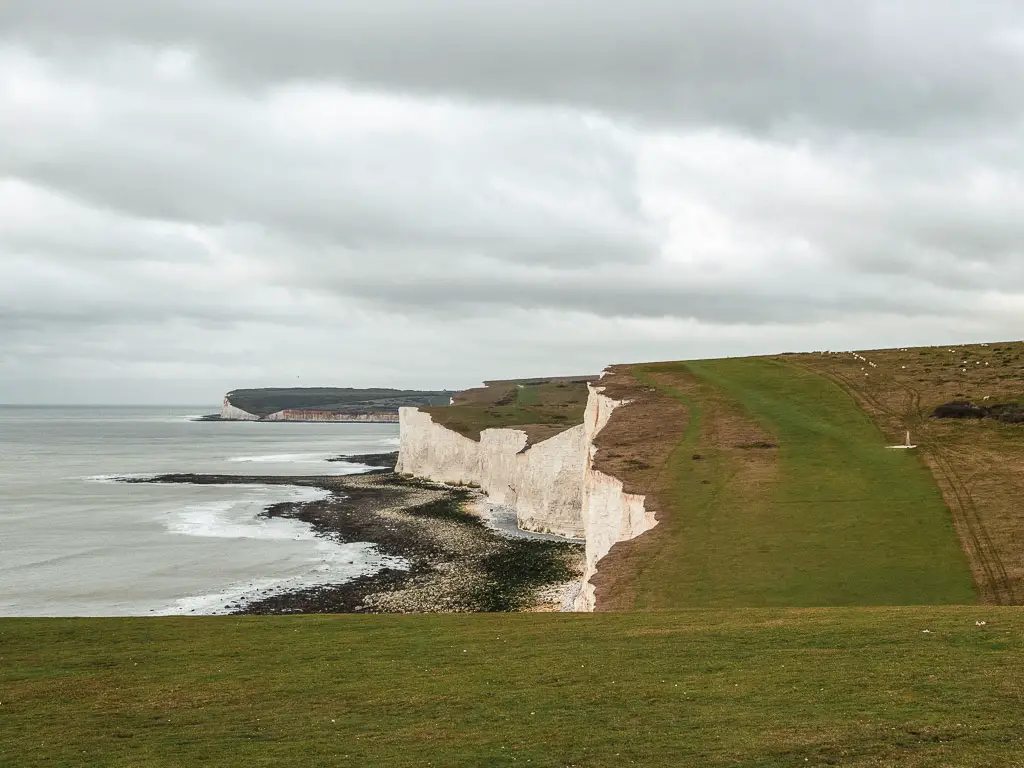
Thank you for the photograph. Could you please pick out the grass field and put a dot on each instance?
(542, 408)
(782, 492)
(851, 687)
(774, 488)
(978, 464)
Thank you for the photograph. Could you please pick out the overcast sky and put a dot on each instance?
(197, 195)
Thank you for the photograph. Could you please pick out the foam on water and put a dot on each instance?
(239, 518)
(349, 468)
(331, 562)
(329, 467)
(283, 458)
(113, 478)
(172, 419)
(339, 563)
(77, 541)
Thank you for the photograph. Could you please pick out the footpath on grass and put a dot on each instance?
(783, 493)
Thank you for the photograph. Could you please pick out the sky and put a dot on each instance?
(201, 195)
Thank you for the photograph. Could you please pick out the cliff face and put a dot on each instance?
(543, 483)
(291, 414)
(552, 484)
(609, 514)
(341, 404)
(229, 412)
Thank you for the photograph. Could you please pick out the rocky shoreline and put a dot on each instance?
(456, 562)
(377, 460)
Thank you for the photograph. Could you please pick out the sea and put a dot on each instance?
(76, 542)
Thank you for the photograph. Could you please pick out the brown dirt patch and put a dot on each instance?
(635, 447)
(640, 435)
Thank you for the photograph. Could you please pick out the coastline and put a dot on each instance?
(457, 561)
(216, 417)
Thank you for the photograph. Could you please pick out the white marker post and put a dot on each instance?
(905, 445)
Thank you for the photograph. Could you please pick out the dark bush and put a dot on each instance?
(959, 409)
(1008, 413)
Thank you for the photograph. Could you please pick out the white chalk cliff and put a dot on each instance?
(293, 414)
(229, 412)
(552, 485)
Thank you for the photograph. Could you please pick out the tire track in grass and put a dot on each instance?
(792, 546)
(996, 586)
(963, 508)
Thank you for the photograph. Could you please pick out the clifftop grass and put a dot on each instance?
(977, 464)
(542, 408)
(780, 491)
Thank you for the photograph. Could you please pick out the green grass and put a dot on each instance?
(471, 420)
(528, 394)
(851, 687)
(542, 408)
(846, 522)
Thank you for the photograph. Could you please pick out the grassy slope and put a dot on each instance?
(979, 465)
(542, 408)
(856, 687)
(842, 522)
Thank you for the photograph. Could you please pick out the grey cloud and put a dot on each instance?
(535, 187)
(410, 194)
(652, 294)
(882, 64)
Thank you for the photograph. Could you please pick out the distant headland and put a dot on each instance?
(337, 404)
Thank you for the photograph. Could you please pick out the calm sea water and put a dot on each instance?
(75, 543)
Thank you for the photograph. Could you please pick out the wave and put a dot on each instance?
(116, 478)
(330, 467)
(330, 562)
(173, 419)
(338, 564)
(240, 518)
(284, 458)
(350, 468)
